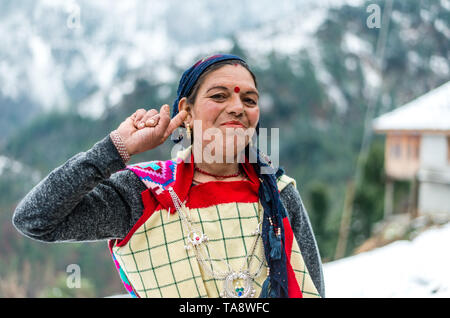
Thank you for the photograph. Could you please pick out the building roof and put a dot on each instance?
(430, 112)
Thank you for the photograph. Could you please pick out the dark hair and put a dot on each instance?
(192, 96)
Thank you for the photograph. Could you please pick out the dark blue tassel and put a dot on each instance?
(265, 288)
(273, 293)
(279, 172)
(275, 245)
(266, 194)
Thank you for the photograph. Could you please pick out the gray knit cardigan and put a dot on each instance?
(91, 197)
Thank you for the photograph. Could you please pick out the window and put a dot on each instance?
(413, 147)
(396, 150)
(410, 150)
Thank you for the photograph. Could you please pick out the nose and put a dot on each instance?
(235, 106)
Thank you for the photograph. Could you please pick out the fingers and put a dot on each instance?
(137, 116)
(161, 121)
(150, 119)
(143, 118)
(152, 122)
(164, 120)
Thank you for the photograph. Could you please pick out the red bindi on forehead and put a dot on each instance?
(237, 89)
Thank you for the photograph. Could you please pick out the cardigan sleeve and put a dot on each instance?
(88, 198)
(303, 232)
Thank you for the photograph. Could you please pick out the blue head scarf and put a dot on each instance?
(276, 285)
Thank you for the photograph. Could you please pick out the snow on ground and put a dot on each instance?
(410, 269)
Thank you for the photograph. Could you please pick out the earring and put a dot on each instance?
(188, 131)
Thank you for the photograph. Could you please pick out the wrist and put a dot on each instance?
(120, 146)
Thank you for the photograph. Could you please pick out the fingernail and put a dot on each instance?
(141, 125)
(167, 108)
(151, 121)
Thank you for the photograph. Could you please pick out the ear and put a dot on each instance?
(183, 105)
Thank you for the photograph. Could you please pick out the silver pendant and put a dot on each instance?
(195, 239)
(238, 285)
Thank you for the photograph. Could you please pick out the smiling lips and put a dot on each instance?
(233, 123)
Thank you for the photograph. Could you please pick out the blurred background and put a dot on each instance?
(375, 181)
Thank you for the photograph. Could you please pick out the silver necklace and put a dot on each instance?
(237, 284)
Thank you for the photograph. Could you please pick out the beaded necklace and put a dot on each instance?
(237, 284)
(218, 176)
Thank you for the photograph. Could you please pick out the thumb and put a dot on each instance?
(175, 123)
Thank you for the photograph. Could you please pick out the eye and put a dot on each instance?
(218, 96)
(250, 101)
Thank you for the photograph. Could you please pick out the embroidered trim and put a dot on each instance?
(156, 175)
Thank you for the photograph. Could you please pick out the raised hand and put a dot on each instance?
(145, 130)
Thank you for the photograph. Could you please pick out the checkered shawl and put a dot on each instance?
(152, 260)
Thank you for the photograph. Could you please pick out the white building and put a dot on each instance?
(418, 149)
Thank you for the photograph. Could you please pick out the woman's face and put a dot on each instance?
(226, 104)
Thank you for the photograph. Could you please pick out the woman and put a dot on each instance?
(203, 224)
